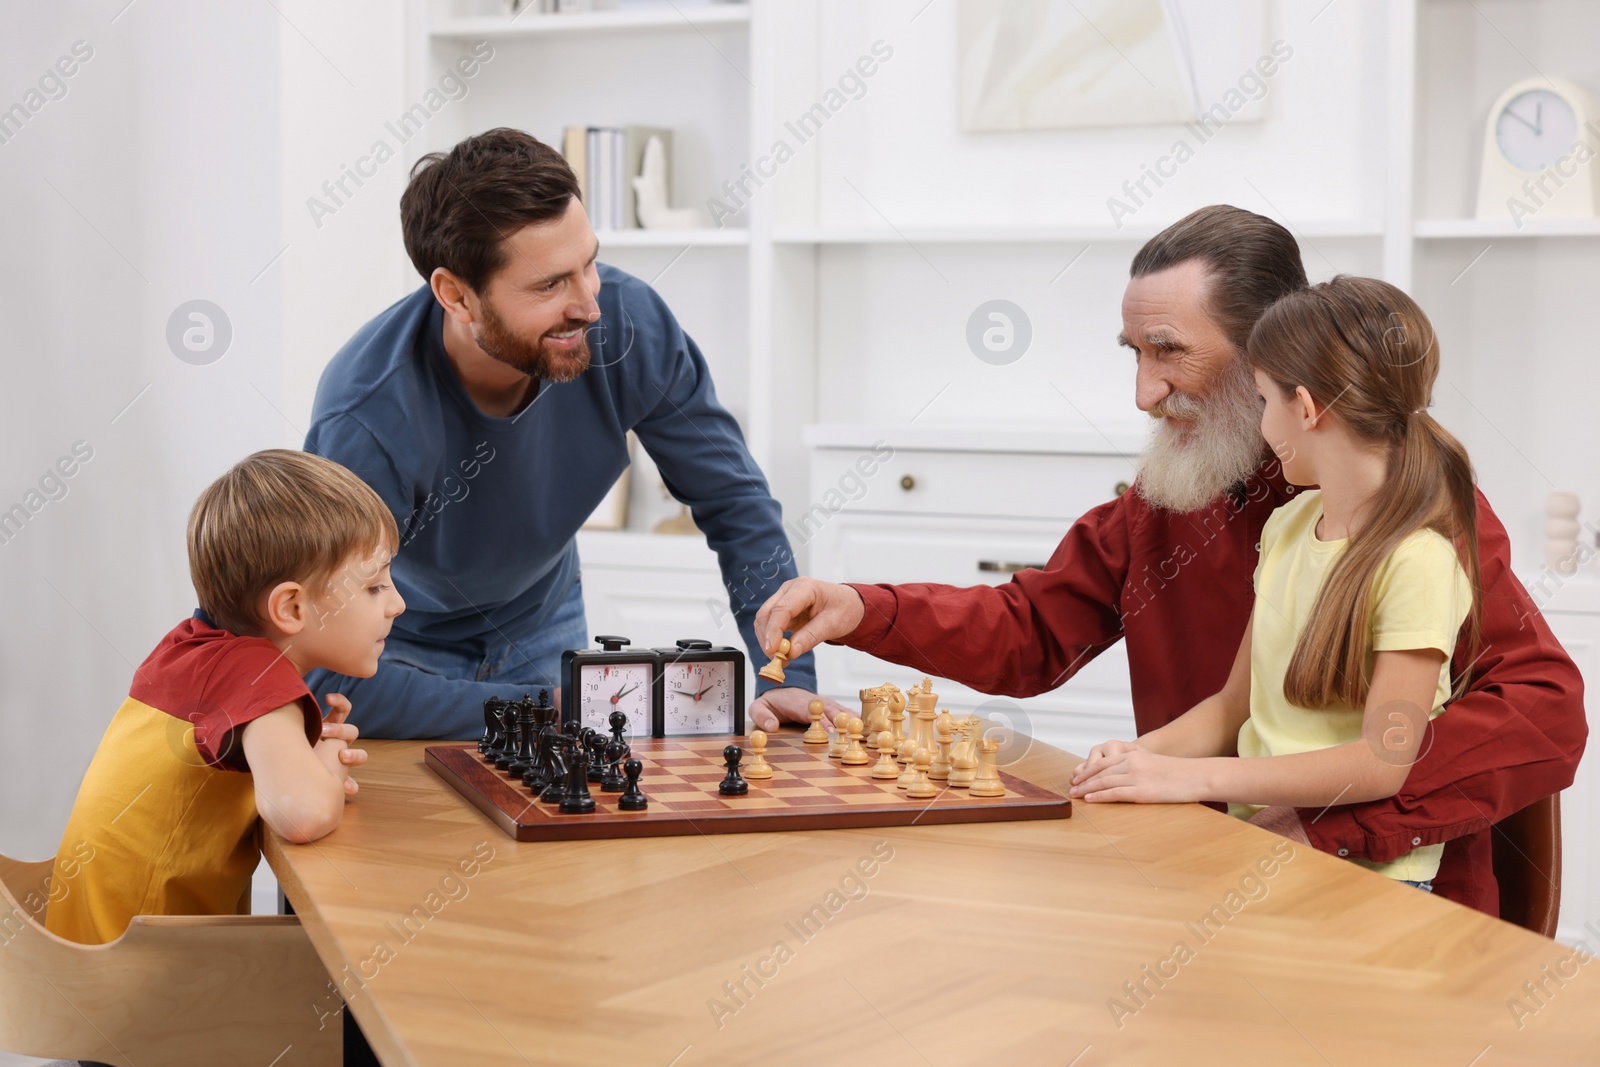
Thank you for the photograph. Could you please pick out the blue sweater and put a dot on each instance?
(488, 507)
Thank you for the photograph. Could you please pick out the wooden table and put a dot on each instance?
(944, 945)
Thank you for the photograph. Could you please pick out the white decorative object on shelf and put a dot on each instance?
(1561, 533)
(1537, 140)
(1031, 65)
(651, 189)
(612, 511)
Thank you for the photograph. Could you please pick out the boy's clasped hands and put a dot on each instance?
(337, 737)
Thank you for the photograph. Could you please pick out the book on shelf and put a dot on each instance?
(606, 159)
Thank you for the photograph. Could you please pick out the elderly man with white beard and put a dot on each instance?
(1167, 567)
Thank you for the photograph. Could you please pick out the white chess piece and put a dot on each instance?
(651, 189)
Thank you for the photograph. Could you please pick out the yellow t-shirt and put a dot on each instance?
(165, 821)
(1420, 598)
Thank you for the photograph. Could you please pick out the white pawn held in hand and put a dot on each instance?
(773, 671)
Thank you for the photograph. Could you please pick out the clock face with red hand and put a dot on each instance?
(624, 687)
(699, 698)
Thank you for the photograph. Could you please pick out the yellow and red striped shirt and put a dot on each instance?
(166, 813)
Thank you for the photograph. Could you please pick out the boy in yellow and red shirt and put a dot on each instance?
(289, 554)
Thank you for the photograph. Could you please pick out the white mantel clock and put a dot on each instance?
(1541, 149)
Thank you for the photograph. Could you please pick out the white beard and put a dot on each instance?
(1185, 468)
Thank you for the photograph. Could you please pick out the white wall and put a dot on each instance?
(338, 89)
(153, 181)
(898, 157)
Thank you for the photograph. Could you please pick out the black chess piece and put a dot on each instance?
(497, 708)
(611, 780)
(632, 799)
(597, 755)
(733, 785)
(578, 800)
(544, 719)
(525, 738)
(508, 753)
(537, 776)
(491, 724)
(556, 784)
(619, 727)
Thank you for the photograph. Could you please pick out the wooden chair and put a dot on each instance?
(1527, 864)
(172, 990)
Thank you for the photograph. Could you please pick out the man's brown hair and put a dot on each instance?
(1251, 263)
(279, 516)
(461, 205)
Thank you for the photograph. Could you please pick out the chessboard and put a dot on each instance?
(807, 791)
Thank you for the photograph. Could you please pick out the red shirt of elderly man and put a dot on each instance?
(1167, 567)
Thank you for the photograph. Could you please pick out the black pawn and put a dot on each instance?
(733, 785)
(595, 745)
(611, 780)
(619, 727)
(508, 754)
(578, 800)
(632, 799)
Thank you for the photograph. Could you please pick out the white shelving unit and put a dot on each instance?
(530, 23)
(697, 238)
(838, 245)
(1447, 229)
(1031, 234)
(840, 293)
(678, 65)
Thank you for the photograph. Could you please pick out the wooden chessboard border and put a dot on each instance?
(512, 807)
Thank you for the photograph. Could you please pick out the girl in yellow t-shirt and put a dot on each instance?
(1360, 588)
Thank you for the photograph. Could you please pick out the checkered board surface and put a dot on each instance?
(807, 791)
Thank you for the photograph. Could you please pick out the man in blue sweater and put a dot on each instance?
(489, 409)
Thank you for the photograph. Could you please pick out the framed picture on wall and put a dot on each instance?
(612, 512)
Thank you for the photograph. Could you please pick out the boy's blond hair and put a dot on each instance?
(279, 516)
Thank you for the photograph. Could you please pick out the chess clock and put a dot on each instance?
(1539, 146)
(611, 678)
(701, 690)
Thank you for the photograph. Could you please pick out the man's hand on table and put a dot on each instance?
(790, 704)
(814, 611)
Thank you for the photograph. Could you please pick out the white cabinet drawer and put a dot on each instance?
(1090, 707)
(993, 484)
(916, 548)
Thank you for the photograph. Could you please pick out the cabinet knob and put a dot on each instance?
(907, 482)
(1122, 487)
